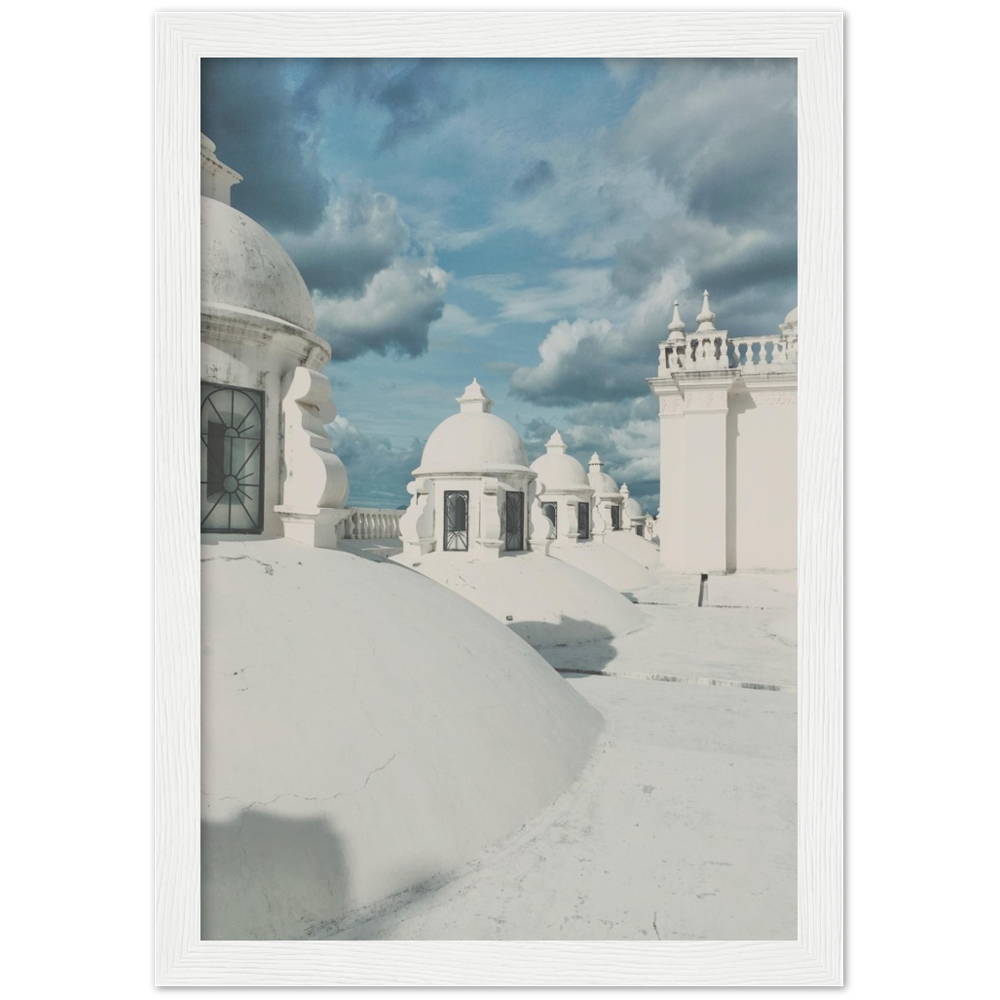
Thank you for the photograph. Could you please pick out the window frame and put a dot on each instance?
(259, 401)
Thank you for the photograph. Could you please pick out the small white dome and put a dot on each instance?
(558, 471)
(632, 509)
(473, 442)
(603, 484)
(793, 317)
(243, 267)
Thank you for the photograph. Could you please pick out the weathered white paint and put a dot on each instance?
(727, 448)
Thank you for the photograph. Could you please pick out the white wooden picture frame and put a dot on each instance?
(815, 958)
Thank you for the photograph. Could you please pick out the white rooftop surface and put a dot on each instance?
(683, 824)
(642, 551)
(544, 600)
(605, 562)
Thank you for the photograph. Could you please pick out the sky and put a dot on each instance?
(526, 222)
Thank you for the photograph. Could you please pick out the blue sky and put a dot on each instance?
(528, 222)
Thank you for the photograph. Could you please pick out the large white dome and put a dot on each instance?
(365, 730)
(473, 442)
(244, 268)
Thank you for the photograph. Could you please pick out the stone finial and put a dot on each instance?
(555, 443)
(474, 399)
(595, 460)
(676, 326)
(706, 318)
(624, 491)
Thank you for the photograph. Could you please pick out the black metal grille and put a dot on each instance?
(513, 509)
(638, 530)
(456, 520)
(616, 518)
(549, 510)
(232, 459)
(583, 520)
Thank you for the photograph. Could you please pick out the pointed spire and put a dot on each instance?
(676, 326)
(706, 318)
(474, 399)
(556, 443)
(624, 490)
(595, 459)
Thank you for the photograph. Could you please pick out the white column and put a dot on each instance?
(705, 523)
(671, 520)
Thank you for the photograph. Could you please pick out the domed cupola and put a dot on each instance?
(266, 464)
(607, 497)
(473, 492)
(568, 495)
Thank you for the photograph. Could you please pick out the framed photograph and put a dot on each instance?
(498, 558)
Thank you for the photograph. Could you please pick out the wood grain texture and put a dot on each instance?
(816, 958)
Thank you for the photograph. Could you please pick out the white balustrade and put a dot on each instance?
(368, 522)
(700, 353)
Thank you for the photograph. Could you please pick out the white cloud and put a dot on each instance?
(394, 313)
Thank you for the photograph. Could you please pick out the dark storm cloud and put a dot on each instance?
(249, 113)
(417, 100)
(392, 317)
(715, 260)
(360, 235)
(538, 175)
(723, 136)
(263, 114)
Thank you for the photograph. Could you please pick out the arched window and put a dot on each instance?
(583, 520)
(456, 520)
(513, 509)
(549, 510)
(232, 459)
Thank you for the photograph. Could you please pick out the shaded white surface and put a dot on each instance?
(364, 730)
(548, 601)
(607, 563)
(642, 551)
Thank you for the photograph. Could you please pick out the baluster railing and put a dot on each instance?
(369, 523)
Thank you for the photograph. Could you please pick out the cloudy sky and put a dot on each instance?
(528, 222)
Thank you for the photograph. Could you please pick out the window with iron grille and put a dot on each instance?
(583, 520)
(232, 459)
(616, 518)
(456, 520)
(513, 508)
(549, 510)
(638, 530)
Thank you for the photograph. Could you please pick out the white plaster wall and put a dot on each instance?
(766, 478)
(671, 518)
(704, 521)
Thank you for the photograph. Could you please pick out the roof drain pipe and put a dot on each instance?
(702, 588)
